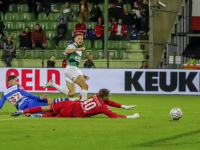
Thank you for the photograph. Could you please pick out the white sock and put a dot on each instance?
(61, 89)
(72, 99)
(84, 94)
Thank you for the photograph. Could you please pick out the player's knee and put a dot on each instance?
(85, 86)
(71, 94)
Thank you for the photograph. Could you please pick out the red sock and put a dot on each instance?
(33, 110)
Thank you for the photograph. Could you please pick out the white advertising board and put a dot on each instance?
(126, 81)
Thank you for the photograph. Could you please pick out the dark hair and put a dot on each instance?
(95, 4)
(78, 34)
(10, 77)
(102, 21)
(26, 27)
(61, 19)
(37, 25)
(68, 3)
(103, 93)
(143, 61)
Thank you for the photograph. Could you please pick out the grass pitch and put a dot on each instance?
(154, 130)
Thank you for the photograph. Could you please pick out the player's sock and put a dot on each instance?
(61, 89)
(84, 94)
(57, 100)
(33, 110)
(72, 99)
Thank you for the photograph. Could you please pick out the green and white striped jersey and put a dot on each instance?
(74, 58)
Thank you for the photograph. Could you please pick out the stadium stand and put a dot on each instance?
(123, 54)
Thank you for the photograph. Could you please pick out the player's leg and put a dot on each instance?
(33, 110)
(57, 100)
(71, 86)
(61, 89)
(80, 80)
(70, 89)
(50, 108)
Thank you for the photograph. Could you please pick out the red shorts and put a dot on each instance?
(63, 109)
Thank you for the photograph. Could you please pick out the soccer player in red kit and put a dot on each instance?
(94, 105)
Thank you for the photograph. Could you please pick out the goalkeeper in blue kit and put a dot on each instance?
(21, 99)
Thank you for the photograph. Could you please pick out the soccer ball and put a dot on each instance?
(176, 113)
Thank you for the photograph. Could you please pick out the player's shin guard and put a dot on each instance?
(33, 110)
(84, 94)
(61, 89)
(57, 100)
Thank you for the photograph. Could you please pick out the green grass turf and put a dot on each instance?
(154, 130)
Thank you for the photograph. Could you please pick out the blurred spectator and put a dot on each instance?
(137, 12)
(1, 41)
(1, 28)
(118, 31)
(4, 5)
(144, 65)
(25, 39)
(128, 19)
(111, 12)
(145, 10)
(84, 8)
(95, 12)
(119, 6)
(98, 31)
(9, 51)
(80, 27)
(89, 63)
(61, 31)
(33, 4)
(64, 63)
(45, 6)
(140, 2)
(51, 62)
(38, 37)
(66, 13)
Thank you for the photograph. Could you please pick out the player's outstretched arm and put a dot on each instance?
(114, 104)
(69, 51)
(2, 101)
(24, 93)
(30, 95)
(106, 110)
(111, 114)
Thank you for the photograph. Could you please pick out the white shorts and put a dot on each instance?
(72, 73)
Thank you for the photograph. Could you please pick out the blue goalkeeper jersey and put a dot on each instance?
(16, 95)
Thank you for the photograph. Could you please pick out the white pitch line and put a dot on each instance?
(14, 119)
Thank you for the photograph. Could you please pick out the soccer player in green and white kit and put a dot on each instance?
(72, 73)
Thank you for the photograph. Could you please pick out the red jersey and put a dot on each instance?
(90, 107)
(80, 28)
(115, 26)
(146, 67)
(64, 63)
(99, 29)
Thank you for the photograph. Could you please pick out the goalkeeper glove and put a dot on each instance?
(128, 107)
(136, 115)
